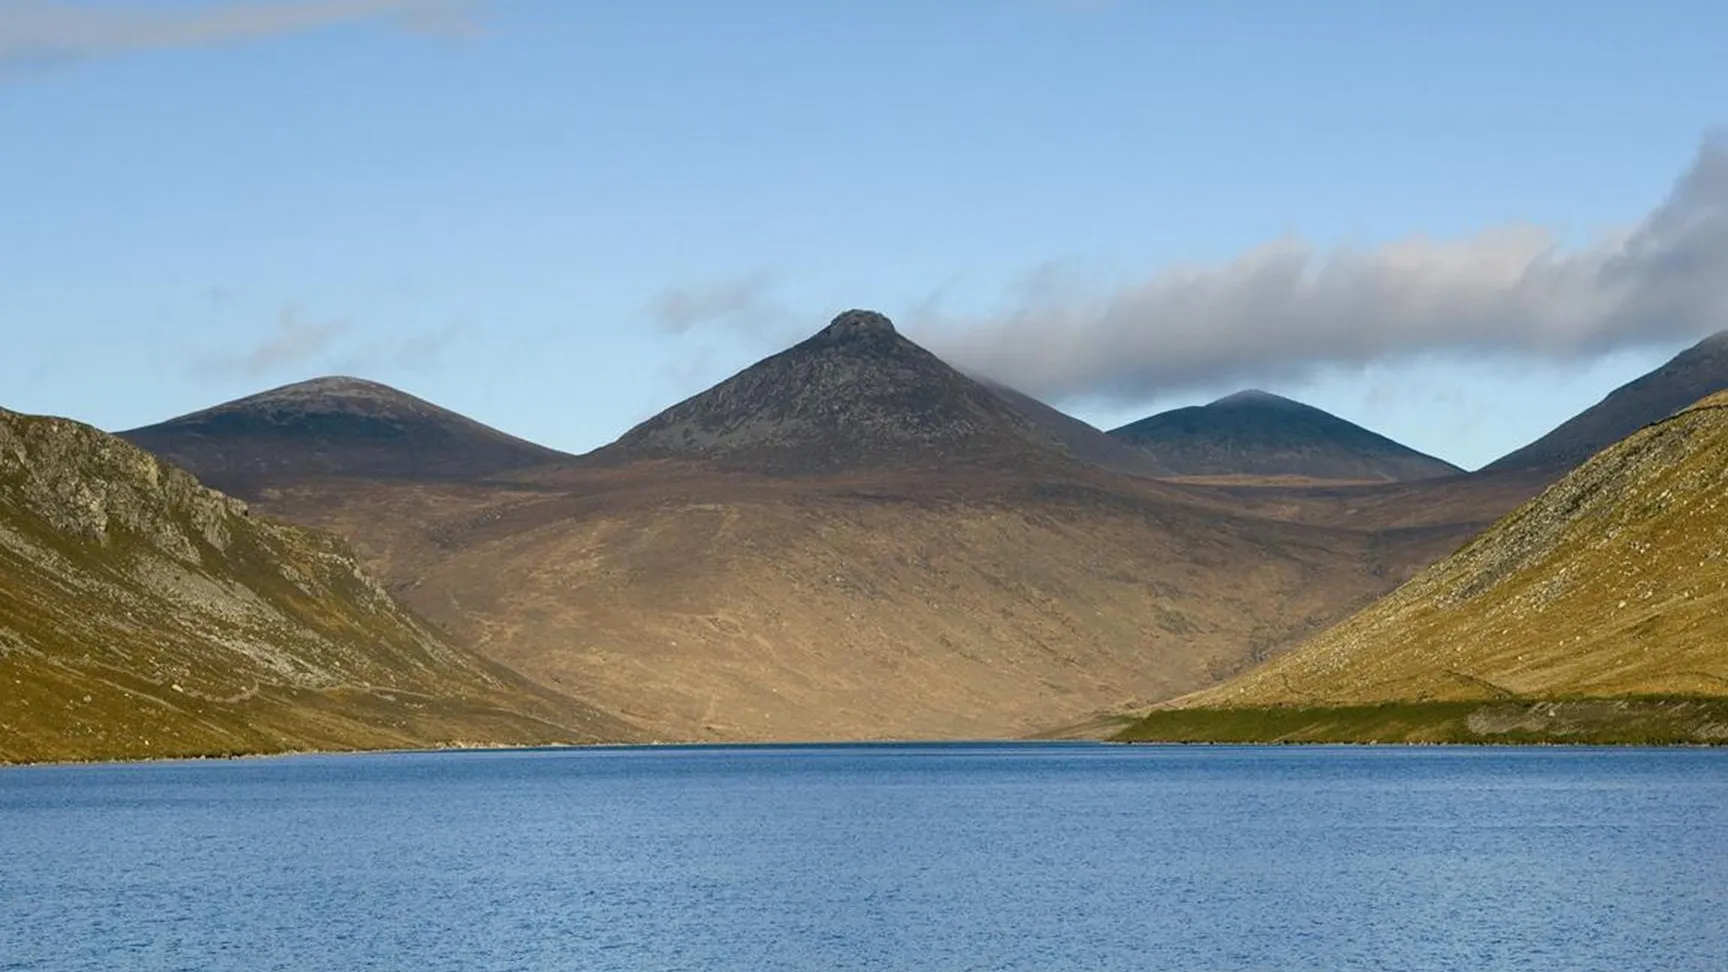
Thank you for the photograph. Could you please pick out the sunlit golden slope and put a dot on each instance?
(1613, 582)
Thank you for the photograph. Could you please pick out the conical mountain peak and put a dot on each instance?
(855, 395)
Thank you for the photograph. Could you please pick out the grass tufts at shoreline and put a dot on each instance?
(1631, 721)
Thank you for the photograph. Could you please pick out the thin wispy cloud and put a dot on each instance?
(294, 342)
(1288, 310)
(46, 33)
(424, 351)
(745, 302)
(298, 345)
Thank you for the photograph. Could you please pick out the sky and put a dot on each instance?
(1457, 223)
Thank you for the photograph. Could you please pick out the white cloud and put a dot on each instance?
(1287, 310)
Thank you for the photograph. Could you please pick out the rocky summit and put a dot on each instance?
(142, 614)
(1255, 434)
(855, 395)
(334, 426)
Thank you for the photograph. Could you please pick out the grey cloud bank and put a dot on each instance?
(1287, 310)
(44, 32)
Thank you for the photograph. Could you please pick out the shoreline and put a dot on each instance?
(1186, 740)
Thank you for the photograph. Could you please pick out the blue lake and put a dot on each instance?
(943, 857)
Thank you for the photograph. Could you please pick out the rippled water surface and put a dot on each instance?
(1035, 857)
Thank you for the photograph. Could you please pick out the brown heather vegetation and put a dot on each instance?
(724, 605)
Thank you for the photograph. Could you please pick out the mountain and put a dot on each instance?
(850, 539)
(142, 614)
(856, 395)
(1611, 585)
(333, 427)
(1261, 435)
(1691, 375)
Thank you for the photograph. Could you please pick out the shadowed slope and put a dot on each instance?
(1254, 433)
(144, 615)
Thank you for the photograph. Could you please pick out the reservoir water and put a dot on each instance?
(1046, 857)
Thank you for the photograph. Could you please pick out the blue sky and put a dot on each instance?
(560, 217)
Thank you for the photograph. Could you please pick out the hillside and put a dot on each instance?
(144, 615)
(1255, 434)
(1691, 375)
(1612, 584)
(333, 426)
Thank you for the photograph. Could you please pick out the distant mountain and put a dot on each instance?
(1613, 584)
(1692, 374)
(333, 427)
(142, 614)
(856, 395)
(1258, 434)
